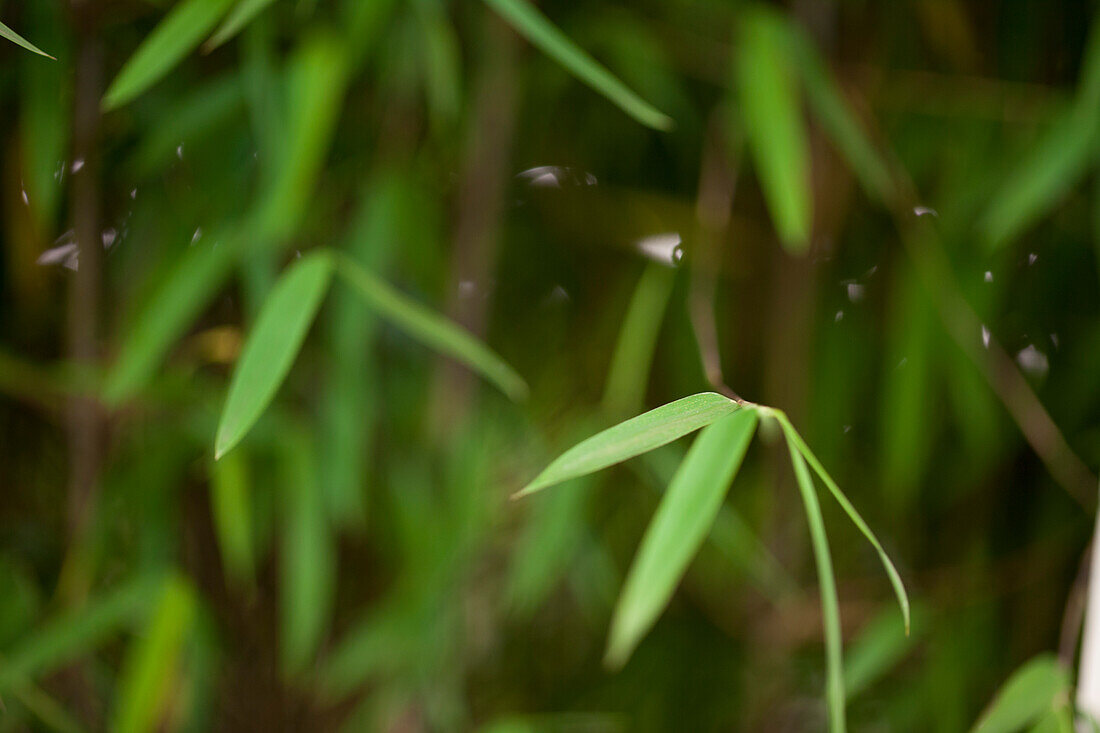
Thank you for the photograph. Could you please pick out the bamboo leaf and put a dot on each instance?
(174, 37)
(1031, 691)
(772, 115)
(895, 579)
(830, 606)
(633, 437)
(272, 346)
(152, 666)
(17, 39)
(240, 16)
(430, 328)
(536, 28)
(681, 523)
(231, 509)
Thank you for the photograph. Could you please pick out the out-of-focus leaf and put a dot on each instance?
(307, 567)
(895, 579)
(315, 84)
(200, 272)
(432, 329)
(880, 646)
(272, 346)
(152, 666)
(17, 39)
(633, 356)
(830, 606)
(679, 526)
(442, 63)
(633, 437)
(838, 121)
(22, 600)
(45, 111)
(534, 26)
(231, 507)
(76, 632)
(1031, 691)
(240, 16)
(174, 37)
(1058, 160)
(772, 116)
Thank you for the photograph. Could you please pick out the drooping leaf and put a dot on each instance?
(231, 510)
(895, 579)
(536, 28)
(772, 115)
(17, 39)
(681, 523)
(272, 346)
(633, 356)
(151, 669)
(430, 328)
(179, 33)
(633, 437)
(240, 16)
(1031, 691)
(75, 632)
(307, 571)
(830, 606)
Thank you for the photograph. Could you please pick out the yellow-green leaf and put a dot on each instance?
(1031, 691)
(17, 39)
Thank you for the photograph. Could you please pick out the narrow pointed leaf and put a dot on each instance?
(1031, 691)
(152, 667)
(633, 437)
(17, 39)
(830, 605)
(430, 328)
(272, 346)
(681, 523)
(240, 16)
(181, 31)
(895, 579)
(772, 115)
(536, 28)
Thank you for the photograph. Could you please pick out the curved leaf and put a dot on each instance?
(534, 26)
(174, 37)
(685, 515)
(272, 346)
(432, 329)
(633, 437)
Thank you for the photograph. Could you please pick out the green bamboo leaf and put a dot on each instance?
(17, 39)
(1031, 691)
(152, 666)
(176, 302)
(272, 346)
(240, 16)
(633, 437)
(231, 509)
(830, 606)
(836, 118)
(430, 328)
(681, 523)
(891, 572)
(633, 357)
(772, 116)
(75, 632)
(307, 569)
(536, 28)
(174, 37)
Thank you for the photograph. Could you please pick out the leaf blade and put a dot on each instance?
(1027, 694)
(240, 16)
(178, 34)
(431, 328)
(633, 437)
(772, 115)
(272, 346)
(679, 526)
(530, 23)
(8, 33)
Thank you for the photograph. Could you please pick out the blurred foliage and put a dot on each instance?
(399, 256)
